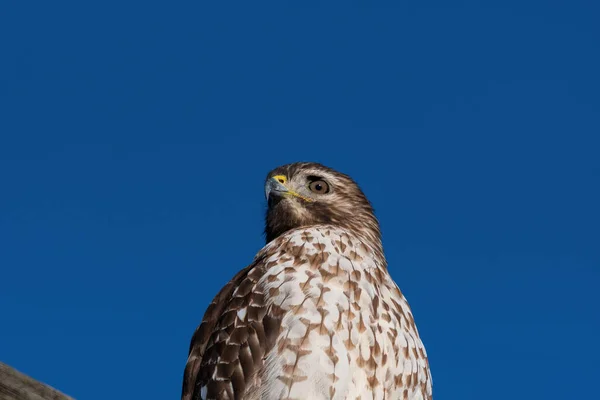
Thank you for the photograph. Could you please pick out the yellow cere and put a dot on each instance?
(280, 178)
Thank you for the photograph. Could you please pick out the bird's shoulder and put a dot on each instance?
(242, 322)
(321, 273)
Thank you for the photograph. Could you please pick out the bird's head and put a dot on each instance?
(308, 194)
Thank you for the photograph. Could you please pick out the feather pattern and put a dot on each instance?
(316, 316)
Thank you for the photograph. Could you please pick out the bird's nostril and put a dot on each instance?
(281, 180)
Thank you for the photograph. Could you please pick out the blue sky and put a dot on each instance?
(135, 137)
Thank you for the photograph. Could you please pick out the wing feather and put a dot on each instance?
(228, 347)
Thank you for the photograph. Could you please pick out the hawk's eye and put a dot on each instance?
(319, 187)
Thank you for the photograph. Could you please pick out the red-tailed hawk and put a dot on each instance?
(316, 315)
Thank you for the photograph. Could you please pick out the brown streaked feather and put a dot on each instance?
(203, 332)
(227, 351)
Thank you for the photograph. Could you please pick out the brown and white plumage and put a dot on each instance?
(316, 315)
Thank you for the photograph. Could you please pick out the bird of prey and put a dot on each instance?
(316, 314)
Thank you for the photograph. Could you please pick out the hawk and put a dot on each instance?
(316, 314)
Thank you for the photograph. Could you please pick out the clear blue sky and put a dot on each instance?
(135, 137)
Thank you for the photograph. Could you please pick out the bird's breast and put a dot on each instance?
(342, 317)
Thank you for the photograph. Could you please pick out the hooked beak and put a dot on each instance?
(274, 188)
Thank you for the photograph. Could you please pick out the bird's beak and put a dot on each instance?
(275, 188)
